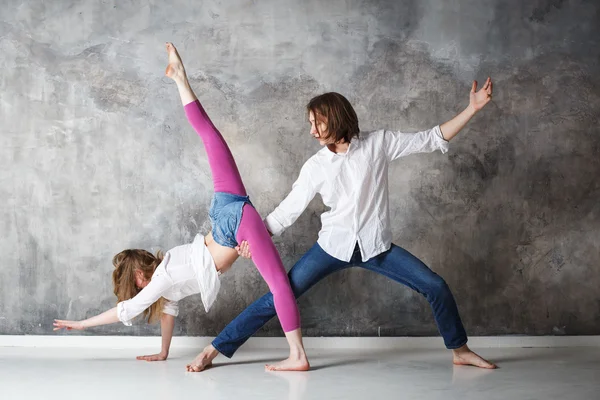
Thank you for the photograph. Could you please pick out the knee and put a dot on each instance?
(280, 288)
(437, 288)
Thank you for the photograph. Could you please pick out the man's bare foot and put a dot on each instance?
(290, 364)
(203, 360)
(464, 356)
(175, 68)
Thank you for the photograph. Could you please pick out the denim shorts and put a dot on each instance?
(225, 216)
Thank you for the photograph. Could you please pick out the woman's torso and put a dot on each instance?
(223, 256)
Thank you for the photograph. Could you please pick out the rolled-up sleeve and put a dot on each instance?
(171, 307)
(129, 309)
(399, 144)
(122, 313)
(303, 191)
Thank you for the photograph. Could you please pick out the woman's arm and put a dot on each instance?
(167, 323)
(126, 310)
(107, 317)
(477, 101)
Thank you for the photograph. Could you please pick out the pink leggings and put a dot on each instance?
(226, 178)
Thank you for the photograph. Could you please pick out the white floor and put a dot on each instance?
(75, 373)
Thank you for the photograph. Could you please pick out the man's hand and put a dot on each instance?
(478, 99)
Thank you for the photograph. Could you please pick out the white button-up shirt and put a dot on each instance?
(354, 185)
(185, 270)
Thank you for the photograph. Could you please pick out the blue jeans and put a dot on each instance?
(396, 263)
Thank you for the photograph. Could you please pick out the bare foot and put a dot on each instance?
(464, 356)
(290, 364)
(203, 360)
(175, 68)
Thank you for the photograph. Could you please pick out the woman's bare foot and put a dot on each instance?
(465, 356)
(175, 68)
(203, 360)
(176, 72)
(297, 361)
(290, 364)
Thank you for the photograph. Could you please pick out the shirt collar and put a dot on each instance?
(354, 144)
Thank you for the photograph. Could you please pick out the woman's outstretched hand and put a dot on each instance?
(478, 99)
(243, 250)
(68, 325)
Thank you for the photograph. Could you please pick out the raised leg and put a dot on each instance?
(226, 177)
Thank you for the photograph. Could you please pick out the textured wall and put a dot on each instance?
(96, 154)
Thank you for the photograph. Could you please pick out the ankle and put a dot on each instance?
(461, 350)
(182, 82)
(211, 351)
(297, 353)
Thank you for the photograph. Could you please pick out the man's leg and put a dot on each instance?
(401, 266)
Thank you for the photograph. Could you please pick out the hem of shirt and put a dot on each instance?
(199, 256)
(378, 251)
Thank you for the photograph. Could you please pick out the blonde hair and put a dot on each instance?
(123, 277)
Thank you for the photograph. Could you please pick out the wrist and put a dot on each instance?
(470, 110)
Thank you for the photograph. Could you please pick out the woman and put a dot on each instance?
(145, 282)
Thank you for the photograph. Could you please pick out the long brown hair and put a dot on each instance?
(126, 263)
(342, 122)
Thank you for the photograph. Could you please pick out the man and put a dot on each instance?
(351, 174)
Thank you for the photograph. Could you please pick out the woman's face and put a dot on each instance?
(140, 281)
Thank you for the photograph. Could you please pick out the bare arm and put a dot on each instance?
(126, 310)
(107, 317)
(477, 101)
(167, 323)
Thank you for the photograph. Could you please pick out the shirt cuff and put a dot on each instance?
(273, 225)
(171, 308)
(122, 314)
(441, 143)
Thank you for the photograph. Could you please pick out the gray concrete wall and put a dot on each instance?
(96, 154)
